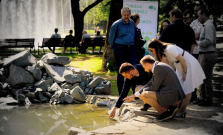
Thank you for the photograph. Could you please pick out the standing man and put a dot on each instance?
(121, 39)
(187, 17)
(163, 92)
(207, 56)
(197, 27)
(178, 32)
(134, 75)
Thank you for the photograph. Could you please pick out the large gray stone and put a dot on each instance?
(35, 71)
(31, 96)
(68, 99)
(84, 77)
(66, 86)
(104, 90)
(57, 72)
(18, 76)
(44, 84)
(73, 78)
(55, 87)
(1, 63)
(2, 77)
(78, 94)
(6, 86)
(104, 103)
(42, 98)
(21, 98)
(40, 64)
(1, 86)
(7, 102)
(22, 59)
(95, 82)
(51, 58)
(59, 93)
(47, 94)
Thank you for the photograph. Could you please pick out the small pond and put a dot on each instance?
(45, 119)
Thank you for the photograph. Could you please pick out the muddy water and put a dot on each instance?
(47, 119)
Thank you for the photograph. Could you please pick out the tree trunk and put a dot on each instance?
(79, 16)
(78, 19)
(115, 14)
(105, 26)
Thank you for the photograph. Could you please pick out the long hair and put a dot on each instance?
(134, 17)
(161, 28)
(159, 47)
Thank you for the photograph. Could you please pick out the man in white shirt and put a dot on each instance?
(197, 27)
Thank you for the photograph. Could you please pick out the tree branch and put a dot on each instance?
(91, 6)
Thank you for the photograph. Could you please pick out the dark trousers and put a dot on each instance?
(123, 54)
(207, 61)
(52, 50)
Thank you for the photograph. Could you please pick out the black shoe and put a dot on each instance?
(145, 107)
(181, 115)
(170, 113)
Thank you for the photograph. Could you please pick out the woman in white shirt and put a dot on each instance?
(188, 69)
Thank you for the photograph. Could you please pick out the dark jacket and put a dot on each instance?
(142, 79)
(139, 42)
(180, 34)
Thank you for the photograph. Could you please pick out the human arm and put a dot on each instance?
(113, 112)
(197, 35)
(126, 87)
(124, 93)
(112, 34)
(181, 59)
(206, 38)
(130, 98)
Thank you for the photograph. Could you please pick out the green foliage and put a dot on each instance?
(111, 66)
(98, 14)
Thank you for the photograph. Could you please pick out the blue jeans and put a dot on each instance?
(124, 54)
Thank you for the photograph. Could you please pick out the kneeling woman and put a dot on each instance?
(188, 69)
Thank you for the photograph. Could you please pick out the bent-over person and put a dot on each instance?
(163, 92)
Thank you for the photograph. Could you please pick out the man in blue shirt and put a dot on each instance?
(121, 39)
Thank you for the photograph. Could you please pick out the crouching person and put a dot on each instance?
(163, 92)
(134, 76)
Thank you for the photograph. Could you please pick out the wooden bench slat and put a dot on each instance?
(17, 43)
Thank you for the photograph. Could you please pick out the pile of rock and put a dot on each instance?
(48, 80)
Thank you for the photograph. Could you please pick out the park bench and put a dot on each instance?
(56, 42)
(97, 42)
(18, 43)
(93, 42)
